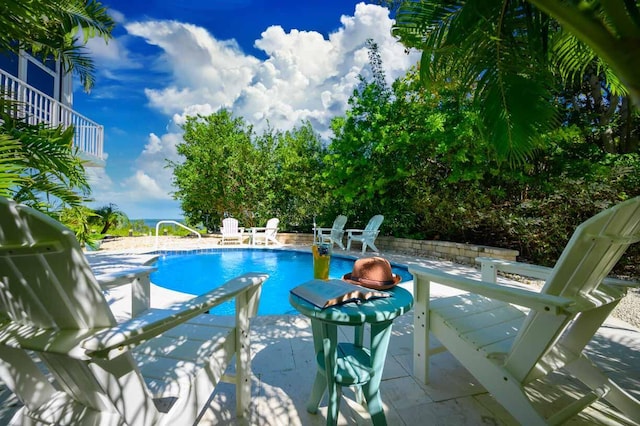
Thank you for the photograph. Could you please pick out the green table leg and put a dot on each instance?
(358, 338)
(325, 339)
(331, 366)
(380, 335)
(320, 382)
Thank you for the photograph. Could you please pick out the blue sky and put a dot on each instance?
(275, 62)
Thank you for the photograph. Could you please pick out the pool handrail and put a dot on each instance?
(175, 223)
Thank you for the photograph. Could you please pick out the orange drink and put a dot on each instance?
(321, 260)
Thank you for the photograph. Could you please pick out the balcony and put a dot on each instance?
(40, 108)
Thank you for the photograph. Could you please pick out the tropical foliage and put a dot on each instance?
(55, 29)
(419, 155)
(505, 53)
(42, 169)
(109, 217)
(79, 219)
(38, 164)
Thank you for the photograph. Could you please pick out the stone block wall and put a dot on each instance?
(455, 252)
(295, 239)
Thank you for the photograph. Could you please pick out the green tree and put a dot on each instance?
(216, 177)
(110, 217)
(230, 171)
(298, 188)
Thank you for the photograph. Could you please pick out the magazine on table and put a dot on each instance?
(324, 294)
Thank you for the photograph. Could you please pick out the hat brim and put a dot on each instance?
(396, 279)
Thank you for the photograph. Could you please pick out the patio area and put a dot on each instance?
(284, 369)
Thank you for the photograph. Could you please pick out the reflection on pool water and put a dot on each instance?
(197, 273)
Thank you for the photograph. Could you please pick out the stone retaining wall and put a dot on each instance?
(455, 252)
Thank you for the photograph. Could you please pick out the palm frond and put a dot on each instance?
(611, 29)
(57, 29)
(487, 44)
(10, 169)
(572, 59)
(514, 112)
(45, 161)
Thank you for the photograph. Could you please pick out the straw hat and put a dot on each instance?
(373, 272)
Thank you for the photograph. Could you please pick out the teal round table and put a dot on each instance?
(352, 364)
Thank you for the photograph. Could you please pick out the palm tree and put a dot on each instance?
(35, 160)
(39, 164)
(78, 219)
(110, 216)
(507, 51)
(611, 28)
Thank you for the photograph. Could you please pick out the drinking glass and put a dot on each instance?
(321, 259)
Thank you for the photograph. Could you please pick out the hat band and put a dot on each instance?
(369, 281)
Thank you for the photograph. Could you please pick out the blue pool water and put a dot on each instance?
(198, 273)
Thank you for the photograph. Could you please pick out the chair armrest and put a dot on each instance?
(113, 341)
(511, 294)
(615, 282)
(140, 281)
(116, 279)
(63, 342)
(491, 266)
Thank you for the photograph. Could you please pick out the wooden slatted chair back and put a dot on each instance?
(592, 252)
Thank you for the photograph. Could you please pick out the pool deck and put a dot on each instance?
(284, 367)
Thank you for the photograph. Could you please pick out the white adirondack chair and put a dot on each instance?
(334, 234)
(366, 236)
(231, 232)
(159, 368)
(267, 234)
(507, 337)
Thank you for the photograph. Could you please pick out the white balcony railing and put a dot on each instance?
(38, 107)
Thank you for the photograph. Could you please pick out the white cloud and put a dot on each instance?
(112, 54)
(152, 179)
(99, 180)
(204, 70)
(305, 76)
(116, 15)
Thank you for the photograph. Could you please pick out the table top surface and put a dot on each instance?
(371, 311)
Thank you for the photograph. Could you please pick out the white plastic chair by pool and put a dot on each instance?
(267, 234)
(231, 232)
(510, 337)
(334, 234)
(366, 236)
(159, 368)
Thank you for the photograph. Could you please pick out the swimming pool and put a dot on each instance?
(197, 273)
